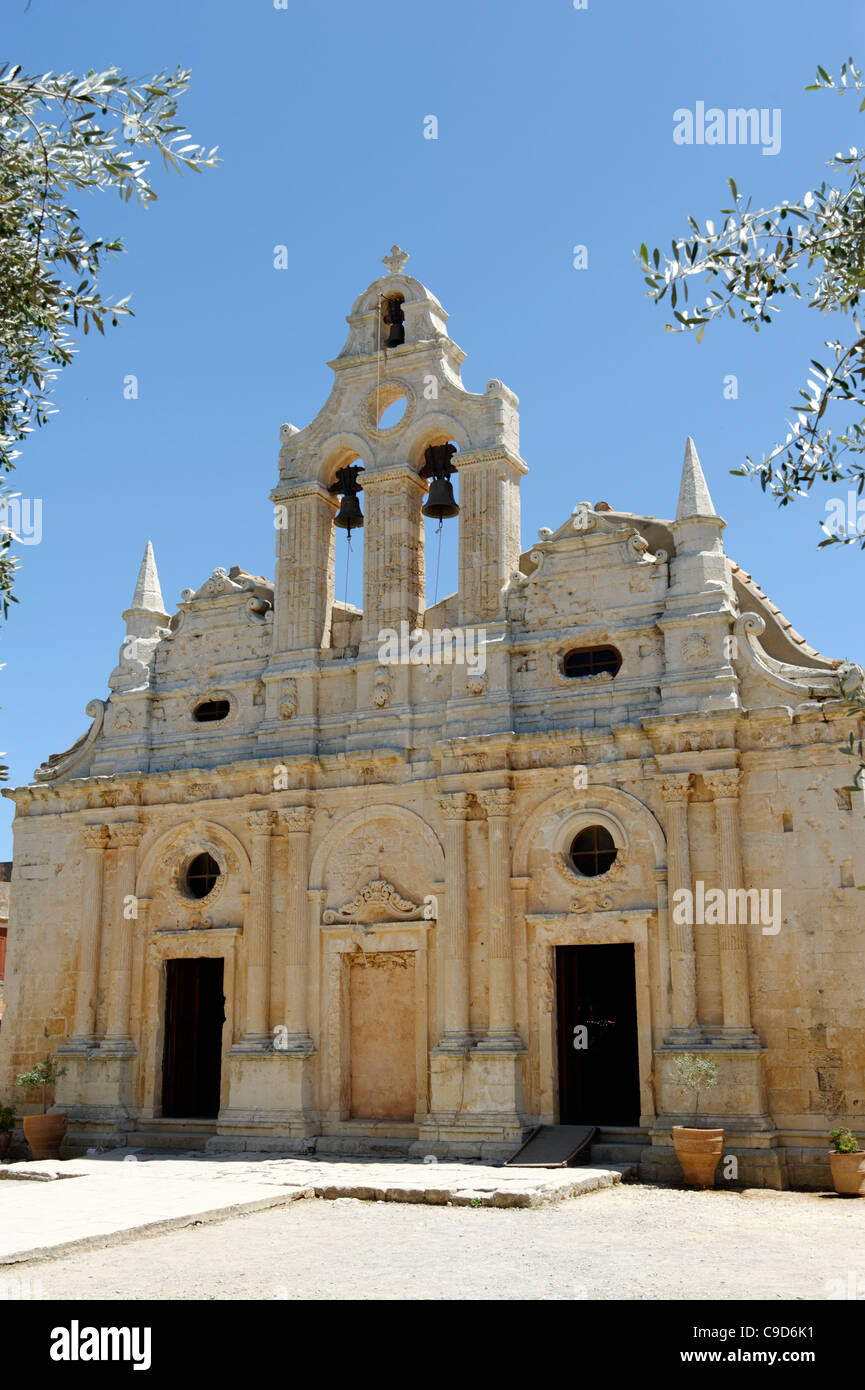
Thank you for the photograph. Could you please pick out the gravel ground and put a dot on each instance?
(632, 1242)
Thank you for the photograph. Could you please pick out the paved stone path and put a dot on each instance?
(628, 1242)
(49, 1208)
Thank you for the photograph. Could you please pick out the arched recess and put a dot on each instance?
(356, 820)
(190, 833)
(553, 814)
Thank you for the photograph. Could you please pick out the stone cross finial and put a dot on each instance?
(396, 260)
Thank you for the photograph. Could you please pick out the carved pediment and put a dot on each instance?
(379, 901)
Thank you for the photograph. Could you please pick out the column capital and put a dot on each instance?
(676, 786)
(306, 487)
(95, 836)
(298, 820)
(127, 833)
(455, 805)
(261, 822)
(724, 784)
(496, 801)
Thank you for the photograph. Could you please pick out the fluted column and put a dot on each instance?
(501, 1033)
(256, 932)
(457, 987)
(303, 586)
(735, 988)
(126, 836)
(87, 975)
(675, 791)
(298, 821)
(663, 946)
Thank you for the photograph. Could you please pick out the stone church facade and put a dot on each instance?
(293, 889)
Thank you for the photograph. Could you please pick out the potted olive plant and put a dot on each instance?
(847, 1163)
(7, 1120)
(698, 1150)
(44, 1133)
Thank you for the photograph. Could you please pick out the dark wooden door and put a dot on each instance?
(192, 1056)
(599, 1083)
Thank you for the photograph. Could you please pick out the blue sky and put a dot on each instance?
(554, 130)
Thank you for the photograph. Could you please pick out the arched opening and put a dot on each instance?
(392, 321)
(346, 483)
(441, 505)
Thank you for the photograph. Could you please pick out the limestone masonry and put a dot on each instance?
(294, 884)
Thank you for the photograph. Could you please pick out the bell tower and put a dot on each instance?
(350, 457)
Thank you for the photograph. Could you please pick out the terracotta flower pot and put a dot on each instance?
(848, 1173)
(699, 1153)
(44, 1134)
(5, 1141)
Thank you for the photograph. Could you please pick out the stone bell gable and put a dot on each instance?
(398, 853)
(247, 669)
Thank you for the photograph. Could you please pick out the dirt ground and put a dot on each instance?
(631, 1242)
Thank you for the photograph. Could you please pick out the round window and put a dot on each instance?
(201, 875)
(593, 851)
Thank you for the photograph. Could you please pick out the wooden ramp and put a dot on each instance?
(553, 1146)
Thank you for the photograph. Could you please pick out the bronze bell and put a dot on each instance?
(349, 515)
(441, 502)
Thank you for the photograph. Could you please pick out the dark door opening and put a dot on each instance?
(192, 1055)
(599, 1079)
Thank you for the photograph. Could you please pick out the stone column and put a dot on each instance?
(735, 992)
(489, 540)
(675, 790)
(87, 976)
(304, 582)
(393, 557)
(298, 821)
(501, 1033)
(663, 946)
(126, 836)
(256, 932)
(454, 807)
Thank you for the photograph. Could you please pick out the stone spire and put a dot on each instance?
(148, 595)
(694, 499)
(146, 617)
(700, 604)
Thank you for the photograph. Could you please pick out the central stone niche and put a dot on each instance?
(382, 1035)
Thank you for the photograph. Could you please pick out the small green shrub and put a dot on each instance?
(843, 1141)
(693, 1074)
(42, 1075)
